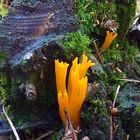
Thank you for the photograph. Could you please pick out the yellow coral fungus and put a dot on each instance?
(110, 36)
(84, 66)
(75, 66)
(77, 100)
(61, 72)
(63, 103)
(77, 84)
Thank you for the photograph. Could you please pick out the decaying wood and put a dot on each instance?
(29, 27)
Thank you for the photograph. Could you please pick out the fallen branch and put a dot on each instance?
(130, 80)
(115, 98)
(97, 52)
(45, 135)
(111, 128)
(11, 124)
(127, 138)
(113, 125)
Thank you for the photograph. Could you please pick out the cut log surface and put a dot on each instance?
(29, 26)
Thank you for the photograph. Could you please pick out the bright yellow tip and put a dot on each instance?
(84, 66)
(110, 36)
(61, 72)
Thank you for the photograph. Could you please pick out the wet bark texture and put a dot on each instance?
(31, 24)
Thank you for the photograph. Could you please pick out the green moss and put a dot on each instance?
(120, 52)
(129, 53)
(7, 89)
(95, 117)
(3, 82)
(3, 10)
(90, 13)
(75, 44)
(125, 14)
(112, 55)
(2, 58)
(46, 93)
(15, 103)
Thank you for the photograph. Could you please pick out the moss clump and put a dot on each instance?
(75, 44)
(3, 57)
(95, 117)
(130, 53)
(113, 54)
(120, 53)
(91, 13)
(3, 82)
(3, 9)
(127, 11)
(7, 89)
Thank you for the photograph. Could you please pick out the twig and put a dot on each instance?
(11, 124)
(115, 130)
(97, 52)
(127, 138)
(115, 98)
(87, 5)
(111, 128)
(70, 133)
(118, 70)
(111, 117)
(45, 135)
(130, 80)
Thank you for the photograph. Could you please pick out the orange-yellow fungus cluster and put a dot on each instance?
(73, 98)
(110, 36)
